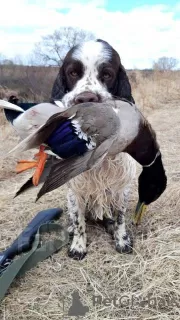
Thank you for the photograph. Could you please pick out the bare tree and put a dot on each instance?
(53, 47)
(165, 64)
(2, 58)
(18, 60)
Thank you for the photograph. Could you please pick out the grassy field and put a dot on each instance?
(151, 274)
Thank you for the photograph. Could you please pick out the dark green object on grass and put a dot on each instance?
(29, 248)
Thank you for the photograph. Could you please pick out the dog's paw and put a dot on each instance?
(76, 255)
(124, 245)
(78, 249)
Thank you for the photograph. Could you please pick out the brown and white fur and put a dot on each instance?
(93, 71)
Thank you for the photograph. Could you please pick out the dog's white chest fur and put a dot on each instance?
(103, 187)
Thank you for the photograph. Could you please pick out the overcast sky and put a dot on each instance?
(141, 31)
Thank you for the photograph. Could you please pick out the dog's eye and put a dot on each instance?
(74, 74)
(106, 76)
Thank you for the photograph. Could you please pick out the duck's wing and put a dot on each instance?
(64, 170)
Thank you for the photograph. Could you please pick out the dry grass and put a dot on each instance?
(156, 89)
(32, 83)
(153, 268)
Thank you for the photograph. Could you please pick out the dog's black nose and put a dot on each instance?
(86, 97)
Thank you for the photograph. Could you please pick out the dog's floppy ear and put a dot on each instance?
(123, 86)
(59, 87)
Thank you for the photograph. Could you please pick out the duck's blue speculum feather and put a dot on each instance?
(64, 141)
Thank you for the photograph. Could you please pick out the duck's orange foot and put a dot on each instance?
(24, 165)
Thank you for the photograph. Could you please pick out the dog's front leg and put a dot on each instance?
(123, 241)
(76, 211)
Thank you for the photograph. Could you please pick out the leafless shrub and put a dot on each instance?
(53, 47)
(165, 64)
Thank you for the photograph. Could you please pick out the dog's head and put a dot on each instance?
(91, 71)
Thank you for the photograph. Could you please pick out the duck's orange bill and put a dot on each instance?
(24, 165)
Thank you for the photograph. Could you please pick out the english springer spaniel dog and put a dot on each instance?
(92, 71)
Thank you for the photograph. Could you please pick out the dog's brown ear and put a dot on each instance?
(123, 86)
(59, 87)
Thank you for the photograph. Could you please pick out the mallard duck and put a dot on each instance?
(83, 135)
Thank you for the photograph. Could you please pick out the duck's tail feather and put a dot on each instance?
(29, 183)
(8, 105)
